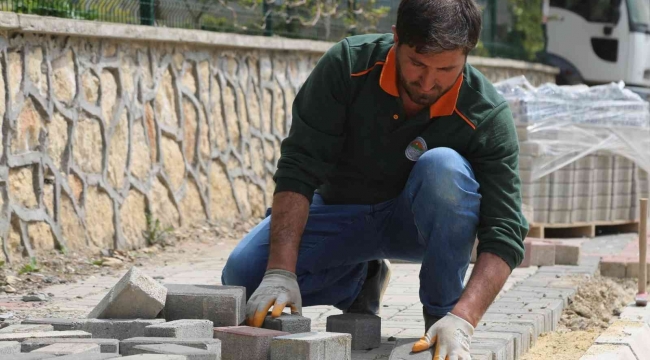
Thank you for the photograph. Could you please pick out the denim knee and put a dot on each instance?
(443, 175)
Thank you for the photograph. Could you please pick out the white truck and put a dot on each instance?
(600, 41)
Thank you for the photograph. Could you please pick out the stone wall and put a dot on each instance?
(101, 127)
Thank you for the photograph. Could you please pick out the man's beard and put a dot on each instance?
(422, 99)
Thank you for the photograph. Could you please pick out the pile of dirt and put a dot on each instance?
(597, 303)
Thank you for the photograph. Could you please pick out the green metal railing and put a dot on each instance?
(315, 19)
(308, 19)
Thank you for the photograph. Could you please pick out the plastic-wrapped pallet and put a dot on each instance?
(584, 151)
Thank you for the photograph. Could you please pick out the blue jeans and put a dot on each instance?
(433, 221)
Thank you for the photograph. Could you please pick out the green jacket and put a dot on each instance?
(349, 138)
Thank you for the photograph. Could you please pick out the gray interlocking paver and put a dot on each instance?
(401, 310)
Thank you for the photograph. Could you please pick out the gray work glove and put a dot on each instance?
(278, 289)
(451, 336)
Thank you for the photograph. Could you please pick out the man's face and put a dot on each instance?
(426, 77)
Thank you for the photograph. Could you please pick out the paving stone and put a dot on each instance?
(498, 348)
(181, 329)
(58, 324)
(68, 349)
(567, 251)
(402, 351)
(608, 352)
(118, 328)
(173, 349)
(522, 334)
(510, 341)
(224, 305)
(293, 324)
(20, 337)
(136, 295)
(127, 345)
(541, 253)
(244, 342)
(633, 334)
(31, 356)
(541, 316)
(154, 357)
(531, 296)
(107, 346)
(636, 313)
(312, 346)
(9, 347)
(365, 329)
(531, 321)
(613, 266)
(19, 328)
(481, 354)
(89, 357)
(555, 305)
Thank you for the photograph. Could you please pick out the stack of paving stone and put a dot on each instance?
(597, 188)
(514, 322)
(141, 318)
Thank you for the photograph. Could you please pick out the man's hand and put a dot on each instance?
(451, 335)
(278, 288)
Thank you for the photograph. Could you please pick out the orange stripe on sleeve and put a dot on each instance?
(465, 118)
(361, 73)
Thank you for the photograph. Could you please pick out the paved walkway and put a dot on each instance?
(401, 313)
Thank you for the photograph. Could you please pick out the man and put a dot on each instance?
(412, 154)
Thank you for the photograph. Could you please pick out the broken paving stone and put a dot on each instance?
(173, 349)
(8, 289)
(61, 349)
(107, 346)
(20, 328)
(182, 329)
(245, 343)
(224, 305)
(319, 346)
(136, 295)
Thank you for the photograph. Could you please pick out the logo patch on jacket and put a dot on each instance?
(415, 149)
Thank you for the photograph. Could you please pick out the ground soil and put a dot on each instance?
(55, 267)
(596, 305)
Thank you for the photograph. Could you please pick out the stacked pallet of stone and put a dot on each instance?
(604, 177)
(641, 188)
(623, 204)
(584, 190)
(535, 193)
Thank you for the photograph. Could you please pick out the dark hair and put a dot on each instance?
(434, 26)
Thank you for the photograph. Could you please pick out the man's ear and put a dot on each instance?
(395, 38)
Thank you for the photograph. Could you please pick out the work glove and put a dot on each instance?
(451, 335)
(278, 288)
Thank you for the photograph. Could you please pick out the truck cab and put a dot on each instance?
(599, 41)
